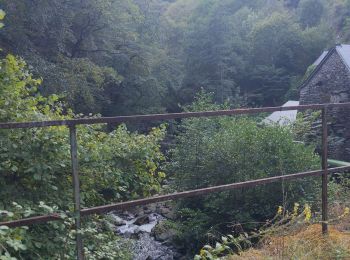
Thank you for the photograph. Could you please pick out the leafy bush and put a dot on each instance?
(56, 240)
(216, 151)
(35, 168)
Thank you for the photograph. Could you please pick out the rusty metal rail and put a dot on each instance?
(173, 196)
(179, 195)
(31, 221)
(156, 117)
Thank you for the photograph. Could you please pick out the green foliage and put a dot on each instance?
(293, 234)
(282, 46)
(11, 240)
(191, 227)
(90, 51)
(35, 168)
(339, 192)
(120, 165)
(310, 12)
(133, 57)
(304, 128)
(18, 100)
(250, 50)
(308, 72)
(340, 17)
(2, 16)
(237, 244)
(89, 83)
(56, 240)
(217, 151)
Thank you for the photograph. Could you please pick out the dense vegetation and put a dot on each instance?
(71, 59)
(227, 150)
(136, 56)
(36, 170)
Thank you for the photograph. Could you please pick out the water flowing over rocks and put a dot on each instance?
(145, 226)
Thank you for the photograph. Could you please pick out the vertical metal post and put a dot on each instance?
(76, 190)
(325, 171)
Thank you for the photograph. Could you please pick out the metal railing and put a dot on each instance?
(178, 195)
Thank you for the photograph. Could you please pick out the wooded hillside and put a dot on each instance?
(140, 56)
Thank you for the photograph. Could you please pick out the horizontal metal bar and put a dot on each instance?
(155, 117)
(31, 221)
(204, 191)
(173, 196)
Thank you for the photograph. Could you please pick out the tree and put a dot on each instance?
(214, 51)
(225, 150)
(310, 12)
(277, 41)
(90, 47)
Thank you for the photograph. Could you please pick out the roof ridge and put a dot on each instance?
(343, 51)
(319, 65)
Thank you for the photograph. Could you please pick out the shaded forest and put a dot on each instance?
(140, 56)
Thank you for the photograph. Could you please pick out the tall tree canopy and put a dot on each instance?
(137, 56)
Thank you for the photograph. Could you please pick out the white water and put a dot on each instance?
(130, 228)
(145, 247)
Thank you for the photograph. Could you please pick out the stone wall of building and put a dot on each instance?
(331, 84)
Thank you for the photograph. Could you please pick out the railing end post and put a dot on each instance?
(325, 170)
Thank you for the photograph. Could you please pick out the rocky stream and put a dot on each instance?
(144, 227)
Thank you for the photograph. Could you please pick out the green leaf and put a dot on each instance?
(37, 176)
(4, 227)
(2, 14)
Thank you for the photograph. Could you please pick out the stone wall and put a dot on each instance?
(331, 84)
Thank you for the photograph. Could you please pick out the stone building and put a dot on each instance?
(329, 82)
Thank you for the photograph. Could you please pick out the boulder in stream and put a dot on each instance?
(142, 220)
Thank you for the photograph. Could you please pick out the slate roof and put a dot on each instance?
(283, 117)
(318, 61)
(343, 51)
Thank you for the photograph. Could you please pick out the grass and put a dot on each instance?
(295, 234)
(307, 243)
(303, 240)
